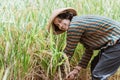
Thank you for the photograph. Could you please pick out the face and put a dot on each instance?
(62, 24)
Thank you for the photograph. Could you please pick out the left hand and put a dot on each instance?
(72, 75)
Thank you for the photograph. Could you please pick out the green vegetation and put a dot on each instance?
(27, 50)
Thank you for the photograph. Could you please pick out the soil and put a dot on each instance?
(39, 74)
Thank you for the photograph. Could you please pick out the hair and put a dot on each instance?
(65, 15)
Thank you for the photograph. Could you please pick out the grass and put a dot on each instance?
(27, 50)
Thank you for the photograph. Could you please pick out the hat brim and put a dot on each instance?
(55, 14)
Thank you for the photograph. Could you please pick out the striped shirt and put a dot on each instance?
(94, 32)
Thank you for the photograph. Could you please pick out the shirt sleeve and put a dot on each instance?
(86, 58)
(73, 37)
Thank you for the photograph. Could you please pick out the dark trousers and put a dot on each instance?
(106, 62)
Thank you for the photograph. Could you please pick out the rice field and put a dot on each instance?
(29, 52)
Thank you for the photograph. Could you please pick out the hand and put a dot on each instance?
(73, 74)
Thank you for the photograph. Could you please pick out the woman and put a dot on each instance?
(95, 33)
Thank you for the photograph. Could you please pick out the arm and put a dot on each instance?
(74, 33)
(86, 58)
(83, 64)
(73, 37)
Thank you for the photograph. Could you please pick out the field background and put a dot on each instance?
(28, 51)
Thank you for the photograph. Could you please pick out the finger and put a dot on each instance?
(67, 78)
(71, 77)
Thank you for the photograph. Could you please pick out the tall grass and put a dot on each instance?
(27, 50)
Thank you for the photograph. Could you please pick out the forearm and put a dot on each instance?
(77, 69)
(85, 58)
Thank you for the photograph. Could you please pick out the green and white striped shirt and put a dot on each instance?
(94, 32)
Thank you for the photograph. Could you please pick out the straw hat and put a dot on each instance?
(55, 14)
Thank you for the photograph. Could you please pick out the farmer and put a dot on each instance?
(95, 33)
